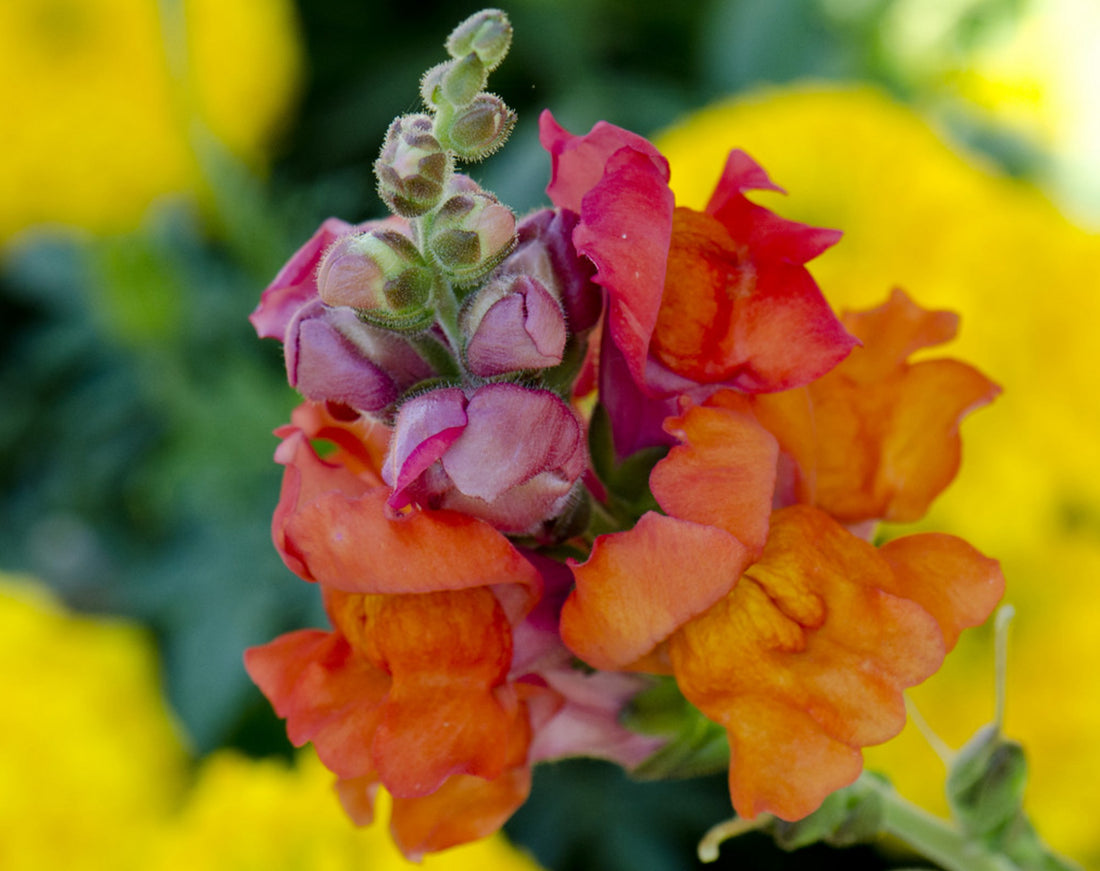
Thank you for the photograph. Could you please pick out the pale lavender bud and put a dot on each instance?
(470, 233)
(512, 323)
(505, 453)
(333, 356)
(545, 250)
(381, 275)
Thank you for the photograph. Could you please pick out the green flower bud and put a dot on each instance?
(470, 233)
(431, 86)
(487, 33)
(479, 129)
(985, 787)
(382, 276)
(454, 83)
(412, 168)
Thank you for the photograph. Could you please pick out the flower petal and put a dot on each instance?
(769, 236)
(618, 182)
(578, 163)
(306, 476)
(638, 587)
(296, 283)
(427, 425)
(463, 809)
(446, 712)
(948, 577)
(807, 654)
(883, 437)
(351, 544)
(327, 694)
(723, 474)
(732, 316)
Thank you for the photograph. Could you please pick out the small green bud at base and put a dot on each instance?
(479, 129)
(412, 167)
(985, 787)
(487, 33)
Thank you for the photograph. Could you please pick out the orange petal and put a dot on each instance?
(893, 331)
(352, 544)
(464, 808)
(807, 654)
(638, 586)
(724, 473)
(447, 712)
(950, 579)
(885, 433)
(327, 694)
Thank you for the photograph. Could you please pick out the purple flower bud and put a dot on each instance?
(504, 453)
(512, 323)
(471, 232)
(479, 129)
(412, 167)
(383, 276)
(333, 356)
(545, 250)
(295, 285)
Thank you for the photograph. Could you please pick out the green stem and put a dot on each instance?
(435, 354)
(934, 838)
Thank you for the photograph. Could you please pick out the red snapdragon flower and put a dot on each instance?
(696, 301)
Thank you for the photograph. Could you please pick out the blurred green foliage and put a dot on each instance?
(135, 459)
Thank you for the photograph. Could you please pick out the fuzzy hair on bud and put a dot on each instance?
(480, 128)
(487, 33)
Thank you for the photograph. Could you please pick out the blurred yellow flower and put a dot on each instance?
(93, 774)
(943, 225)
(90, 761)
(100, 97)
(245, 815)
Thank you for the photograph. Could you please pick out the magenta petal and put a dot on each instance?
(767, 235)
(426, 426)
(626, 225)
(546, 251)
(577, 163)
(296, 282)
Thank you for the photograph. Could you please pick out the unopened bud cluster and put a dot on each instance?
(450, 313)
(451, 233)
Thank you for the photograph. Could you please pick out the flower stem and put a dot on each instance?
(933, 837)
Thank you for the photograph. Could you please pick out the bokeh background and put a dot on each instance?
(160, 160)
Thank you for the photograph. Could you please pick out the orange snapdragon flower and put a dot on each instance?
(410, 689)
(784, 626)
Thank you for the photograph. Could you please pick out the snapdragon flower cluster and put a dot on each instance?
(548, 465)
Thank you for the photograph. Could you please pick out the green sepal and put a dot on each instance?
(627, 482)
(696, 746)
(849, 816)
(985, 786)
